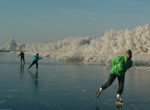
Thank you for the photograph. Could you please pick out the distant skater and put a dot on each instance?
(119, 66)
(22, 59)
(36, 58)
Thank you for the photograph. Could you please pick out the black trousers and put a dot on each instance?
(34, 62)
(111, 80)
(22, 59)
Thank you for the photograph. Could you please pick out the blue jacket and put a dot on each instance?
(36, 58)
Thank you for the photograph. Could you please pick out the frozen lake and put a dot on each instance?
(67, 86)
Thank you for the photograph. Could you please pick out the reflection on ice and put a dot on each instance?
(97, 108)
(83, 90)
(22, 68)
(2, 101)
(10, 96)
(12, 90)
(34, 76)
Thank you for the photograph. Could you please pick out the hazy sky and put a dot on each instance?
(52, 20)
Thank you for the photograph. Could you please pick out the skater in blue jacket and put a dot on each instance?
(36, 58)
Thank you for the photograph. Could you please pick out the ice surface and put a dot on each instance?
(68, 86)
(2, 101)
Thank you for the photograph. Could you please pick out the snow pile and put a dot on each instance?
(96, 51)
(11, 45)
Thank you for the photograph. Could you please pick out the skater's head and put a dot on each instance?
(37, 54)
(128, 54)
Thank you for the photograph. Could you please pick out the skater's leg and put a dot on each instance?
(121, 84)
(36, 65)
(109, 81)
(120, 88)
(107, 84)
(23, 60)
(31, 64)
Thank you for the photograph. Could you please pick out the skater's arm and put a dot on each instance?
(18, 55)
(39, 58)
(130, 64)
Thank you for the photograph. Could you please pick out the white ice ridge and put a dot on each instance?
(96, 51)
(11, 45)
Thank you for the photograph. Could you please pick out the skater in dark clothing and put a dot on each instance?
(119, 66)
(22, 59)
(36, 58)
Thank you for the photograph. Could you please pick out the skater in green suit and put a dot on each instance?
(119, 67)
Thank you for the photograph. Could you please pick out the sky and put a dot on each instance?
(30, 21)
